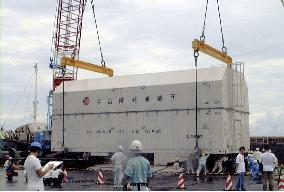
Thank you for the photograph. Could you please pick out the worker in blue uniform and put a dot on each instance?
(138, 169)
(250, 159)
(10, 170)
(255, 172)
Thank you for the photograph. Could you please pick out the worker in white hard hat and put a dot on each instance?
(138, 169)
(118, 159)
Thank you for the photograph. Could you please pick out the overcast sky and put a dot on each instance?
(142, 36)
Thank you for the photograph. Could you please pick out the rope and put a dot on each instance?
(161, 169)
(101, 52)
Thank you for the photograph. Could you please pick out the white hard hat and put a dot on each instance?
(257, 149)
(135, 145)
(120, 148)
(10, 158)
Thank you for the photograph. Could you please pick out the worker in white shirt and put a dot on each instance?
(241, 169)
(57, 177)
(34, 172)
(119, 159)
(256, 154)
(269, 162)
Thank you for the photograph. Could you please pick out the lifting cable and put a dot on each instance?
(101, 52)
(224, 48)
(64, 72)
(196, 55)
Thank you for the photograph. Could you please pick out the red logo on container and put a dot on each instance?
(86, 101)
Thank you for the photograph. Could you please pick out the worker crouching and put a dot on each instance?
(54, 178)
(138, 169)
(10, 170)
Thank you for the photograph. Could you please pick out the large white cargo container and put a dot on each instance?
(158, 109)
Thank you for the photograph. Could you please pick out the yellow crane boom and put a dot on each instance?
(85, 65)
(198, 45)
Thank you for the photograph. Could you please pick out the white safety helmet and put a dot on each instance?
(135, 145)
(257, 149)
(120, 148)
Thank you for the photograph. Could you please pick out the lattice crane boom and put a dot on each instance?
(66, 38)
(65, 49)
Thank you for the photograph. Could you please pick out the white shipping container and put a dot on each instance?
(158, 109)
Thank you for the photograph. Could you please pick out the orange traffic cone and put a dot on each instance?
(281, 184)
(100, 178)
(180, 184)
(229, 183)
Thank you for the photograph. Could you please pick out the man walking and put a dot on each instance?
(34, 172)
(241, 169)
(118, 159)
(269, 161)
(138, 169)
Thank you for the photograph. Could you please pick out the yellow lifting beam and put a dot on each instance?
(198, 45)
(84, 65)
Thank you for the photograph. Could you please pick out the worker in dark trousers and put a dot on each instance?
(57, 177)
(138, 169)
(269, 161)
(10, 170)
